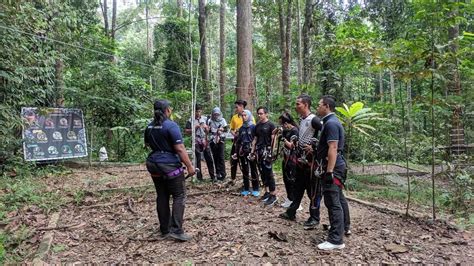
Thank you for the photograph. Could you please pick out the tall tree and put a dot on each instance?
(299, 43)
(285, 47)
(307, 29)
(245, 87)
(203, 51)
(222, 78)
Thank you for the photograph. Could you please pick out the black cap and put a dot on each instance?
(161, 105)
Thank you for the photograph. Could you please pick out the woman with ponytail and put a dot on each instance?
(164, 163)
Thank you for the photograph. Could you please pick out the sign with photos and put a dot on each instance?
(53, 133)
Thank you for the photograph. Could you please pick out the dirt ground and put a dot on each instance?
(114, 226)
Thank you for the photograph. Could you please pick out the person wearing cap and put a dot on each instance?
(201, 143)
(164, 163)
(235, 123)
(217, 129)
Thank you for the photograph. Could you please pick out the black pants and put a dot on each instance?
(171, 221)
(209, 163)
(233, 163)
(288, 167)
(218, 156)
(333, 197)
(246, 165)
(305, 182)
(266, 173)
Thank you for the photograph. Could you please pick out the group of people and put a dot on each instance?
(312, 161)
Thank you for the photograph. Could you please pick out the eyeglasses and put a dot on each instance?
(260, 113)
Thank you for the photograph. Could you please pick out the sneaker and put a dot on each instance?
(329, 246)
(180, 237)
(244, 193)
(265, 196)
(348, 233)
(255, 193)
(285, 216)
(310, 224)
(300, 208)
(270, 200)
(287, 203)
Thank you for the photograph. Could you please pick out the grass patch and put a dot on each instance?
(373, 188)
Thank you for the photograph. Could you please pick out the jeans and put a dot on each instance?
(305, 181)
(246, 165)
(217, 150)
(287, 168)
(209, 163)
(171, 221)
(332, 199)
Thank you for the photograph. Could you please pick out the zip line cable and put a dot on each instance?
(120, 57)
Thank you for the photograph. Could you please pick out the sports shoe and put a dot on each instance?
(180, 237)
(310, 224)
(348, 232)
(244, 193)
(270, 200)
(255, 193)
(329, 246)
(287, 203)
(285, 216)
(265, 196)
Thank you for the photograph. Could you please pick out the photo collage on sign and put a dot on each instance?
(53, 133)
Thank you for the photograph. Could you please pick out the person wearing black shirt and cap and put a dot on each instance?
(164, 164)
(329, 153)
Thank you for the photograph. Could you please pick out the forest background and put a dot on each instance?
(407, 66)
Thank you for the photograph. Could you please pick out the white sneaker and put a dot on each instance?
(329, 246)
(287, 203)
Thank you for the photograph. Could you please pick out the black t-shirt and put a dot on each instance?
(332, 131)
(263, 131)
(288, 133)
(161, 140)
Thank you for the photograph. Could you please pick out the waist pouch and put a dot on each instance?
(167, 170)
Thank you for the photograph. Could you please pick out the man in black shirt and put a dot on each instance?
(329, 153)
(262, 145)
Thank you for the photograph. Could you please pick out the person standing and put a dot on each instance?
(243, 148)
(310, 125)
(201, 143)
(218, 127)
(262, 146)
(164, 163)
(289, 138)
(329, 153)
(235, 123)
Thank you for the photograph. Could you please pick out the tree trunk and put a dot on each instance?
(148, 39)
(287, 54)
(245, 86)
(392, 88)
(381, 92)
(59, 82)
(106, 17)
(222, 42)
(307, 26)
(114, 19)
(299, 43)
(409, 107)
(179, 4)
(203, 51)
(284, 48)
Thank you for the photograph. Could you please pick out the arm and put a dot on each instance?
(183, 155)
(332, 155)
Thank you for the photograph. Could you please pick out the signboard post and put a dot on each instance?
(53, 134)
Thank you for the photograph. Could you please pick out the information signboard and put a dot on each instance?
(53, 133)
